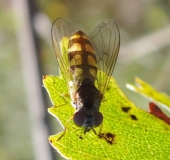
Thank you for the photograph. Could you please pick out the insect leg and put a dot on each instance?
(65, 128)
(94, 131)
(100, 130)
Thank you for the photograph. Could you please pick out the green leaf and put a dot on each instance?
(127, 132)
(148, 91)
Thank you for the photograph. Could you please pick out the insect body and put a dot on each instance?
(86, 64)
(83, 70)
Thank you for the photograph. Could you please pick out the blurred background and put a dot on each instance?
(26, 53)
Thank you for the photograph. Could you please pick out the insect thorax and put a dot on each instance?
(87, 97)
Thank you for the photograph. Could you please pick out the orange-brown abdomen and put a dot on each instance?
(81, 57)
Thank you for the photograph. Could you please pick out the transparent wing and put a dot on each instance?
(106, 42)
(62, 30)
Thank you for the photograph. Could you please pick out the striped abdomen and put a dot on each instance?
(81, 57)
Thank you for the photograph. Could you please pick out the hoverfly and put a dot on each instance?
(86, 64)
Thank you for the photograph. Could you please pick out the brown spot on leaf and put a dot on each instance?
(133, 117)
(44, 77)
(126, 109)
(50, 141)
(80, 137)
(109, 137)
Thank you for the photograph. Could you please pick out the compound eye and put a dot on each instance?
(79, 118)
(98, 118)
